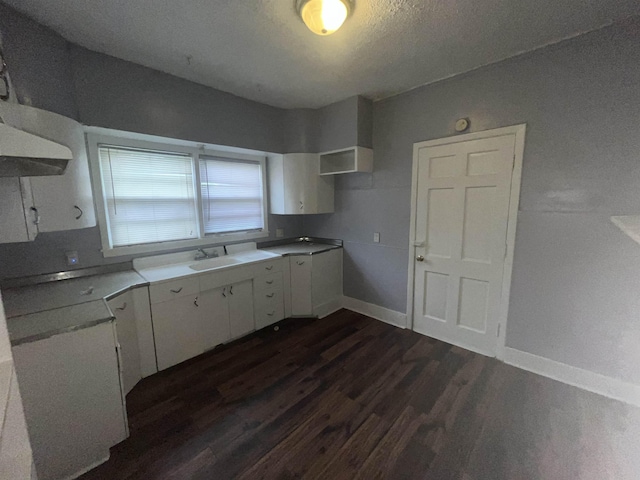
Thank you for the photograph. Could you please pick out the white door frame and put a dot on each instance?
(514, 199)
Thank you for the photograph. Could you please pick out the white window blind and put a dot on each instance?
(231, 195)
(149, 195)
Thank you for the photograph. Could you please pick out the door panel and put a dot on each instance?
(461, 221)
(176, 327)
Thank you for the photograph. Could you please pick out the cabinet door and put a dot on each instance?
(176, 325)
(326, 280)
(297, 184)
(214, 317)
(301, 286)
(17, 217)
(70, 388)
(64, 202)
(123, 309)
(240, 299)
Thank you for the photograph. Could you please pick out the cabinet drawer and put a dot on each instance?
(271, 266)
(162, 292)
(270, 316)
(271, 281)
(267, 299)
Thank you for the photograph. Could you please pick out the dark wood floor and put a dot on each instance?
(351, 397)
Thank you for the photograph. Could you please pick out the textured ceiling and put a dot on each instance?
(260, 49)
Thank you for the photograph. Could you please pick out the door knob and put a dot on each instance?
(420, 258)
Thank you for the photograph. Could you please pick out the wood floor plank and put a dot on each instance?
(350, 397)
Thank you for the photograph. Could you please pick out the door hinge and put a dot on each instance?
(498, 333)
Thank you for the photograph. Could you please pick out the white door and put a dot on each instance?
(214, 317)
(462, 213)
(241, 319)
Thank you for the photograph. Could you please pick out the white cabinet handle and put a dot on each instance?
(231, 289)
(270, 267)
(269, 282)
(301, 205)
(195, 302)
(36, 216)
(176, 291)
(123, 307)
(270, 295)
(272, 313)
(224, 292)
(300, 263)
(79, 210)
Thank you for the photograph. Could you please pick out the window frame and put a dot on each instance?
(94, 140)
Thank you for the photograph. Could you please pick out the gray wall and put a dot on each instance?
(38, 62)
(575, 292)
(339, 125)
(50, 73)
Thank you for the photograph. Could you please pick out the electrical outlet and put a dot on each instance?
(279, 232)
(376, 237)
(72, 258)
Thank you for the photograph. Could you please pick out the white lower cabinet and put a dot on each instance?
(301, 305)
(176, 325)
(316, 283)
(214, 317)
(135, 336)
(72, 398)
(268, 299)
(240, 299)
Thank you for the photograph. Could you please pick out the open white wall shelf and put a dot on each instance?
(346, 160)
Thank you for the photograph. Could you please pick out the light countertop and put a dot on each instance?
(161, 273)
(40, 311)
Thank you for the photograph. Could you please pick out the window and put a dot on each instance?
(231, 195)
(159, 196)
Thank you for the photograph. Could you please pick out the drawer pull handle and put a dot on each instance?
(270, 267)
(270, 295)
(269, 282)
(122, 307)
(231, 289)
(176, 291)
(195, 302)
(79, 210)
(272, 313)
(300, 263)
(224, 292)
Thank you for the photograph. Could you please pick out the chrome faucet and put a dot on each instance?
(202, 255)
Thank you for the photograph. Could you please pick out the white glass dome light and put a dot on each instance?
(324, 17)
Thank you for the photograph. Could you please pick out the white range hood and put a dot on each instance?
(24, 154)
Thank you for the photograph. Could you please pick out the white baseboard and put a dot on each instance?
(328, 308)
(577, 377)
(584, 379)
(90, 467)
(385, 315)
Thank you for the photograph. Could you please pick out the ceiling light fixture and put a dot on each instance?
(324, 17)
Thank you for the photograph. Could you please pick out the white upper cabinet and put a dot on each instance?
(347, 160)
(296, 187)
(63, 202)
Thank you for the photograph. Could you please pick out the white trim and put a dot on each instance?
(584, 379)
(385, 315)
(328, 308)
(514, 199)
(94, 137)
(88, 468)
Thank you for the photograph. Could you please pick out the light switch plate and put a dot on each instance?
(376, 237)
(72, 258)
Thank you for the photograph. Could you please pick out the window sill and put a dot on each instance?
(209, 240)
